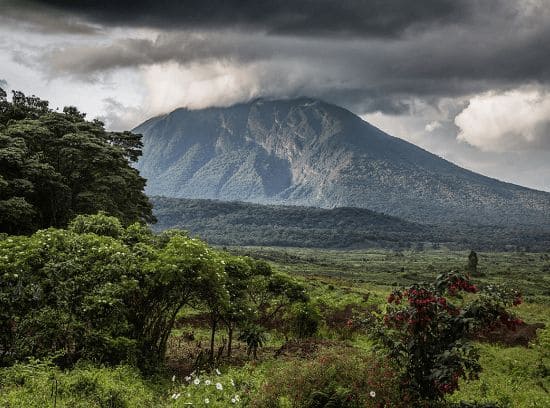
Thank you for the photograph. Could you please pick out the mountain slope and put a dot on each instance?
(307, 152)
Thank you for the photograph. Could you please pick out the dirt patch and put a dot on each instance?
(185, 355)
(346, 318)
(522, 335)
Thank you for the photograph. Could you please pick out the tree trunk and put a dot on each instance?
(212, 338)
(230, 339)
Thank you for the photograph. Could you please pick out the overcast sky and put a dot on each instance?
(468, 80)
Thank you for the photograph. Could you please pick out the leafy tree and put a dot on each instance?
(54, 166)
(99, 291)
(238, 310)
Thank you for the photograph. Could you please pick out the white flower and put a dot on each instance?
(372, 394)
(219, 386)
(173, 378)
(218, 372)
(233, 400)
(173, 396)
(177, 396)
(197, 381)
(232, 382)
(208, 382)
(206, 401)
(187, 378)
(237, 398)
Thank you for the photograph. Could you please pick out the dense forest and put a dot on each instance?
(55, 165)
(239, 223)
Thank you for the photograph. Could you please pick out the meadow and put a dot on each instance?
(344, 287)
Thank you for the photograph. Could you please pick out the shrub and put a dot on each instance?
(429, 337)
(304, 320)
(342, 377)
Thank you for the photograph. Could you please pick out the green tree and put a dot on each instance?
(54, 166)
(100, 291)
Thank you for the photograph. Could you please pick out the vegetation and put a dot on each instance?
(238, 223)
(106, 313)
(55, 165)
(109, 294)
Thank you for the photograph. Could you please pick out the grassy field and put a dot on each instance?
(341, 284)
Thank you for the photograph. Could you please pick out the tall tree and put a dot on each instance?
(54, 166)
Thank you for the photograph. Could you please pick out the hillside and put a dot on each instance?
(239, 223)
(307, 152)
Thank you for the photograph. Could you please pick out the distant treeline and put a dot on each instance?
(239, 223)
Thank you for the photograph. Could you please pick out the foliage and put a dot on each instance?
(254, 336)
(54, 166)
(241, 223)
(347, 377)
(304, 320)
(84, 295)
(39, 384)
(109, 294)
(428, 336)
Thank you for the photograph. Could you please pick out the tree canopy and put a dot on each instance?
(56, 165)
(107, 293)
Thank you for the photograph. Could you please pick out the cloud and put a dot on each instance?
(510, 121)
(119, 117)
(364, 75)
(433, 125)
(378, 18)
(43, 19)
(3, 84)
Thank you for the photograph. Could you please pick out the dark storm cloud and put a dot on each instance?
(42, 18)
(380, 50)
(377, 74)
(385, 18)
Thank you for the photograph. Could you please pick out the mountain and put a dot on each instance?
(240, 223)
(311, 153)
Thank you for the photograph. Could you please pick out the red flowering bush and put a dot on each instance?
(428, 336)
(491, 308)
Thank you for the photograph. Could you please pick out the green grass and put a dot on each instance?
(517, 376)
(39, 385)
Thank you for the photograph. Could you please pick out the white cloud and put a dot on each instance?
(509, 121)
(433, 125)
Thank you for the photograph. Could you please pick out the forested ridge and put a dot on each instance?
(240, 223)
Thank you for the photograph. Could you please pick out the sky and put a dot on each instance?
(468, 80)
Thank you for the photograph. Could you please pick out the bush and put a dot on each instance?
(429, 337)
(303, 320)
(83, 293)
(342, 377)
